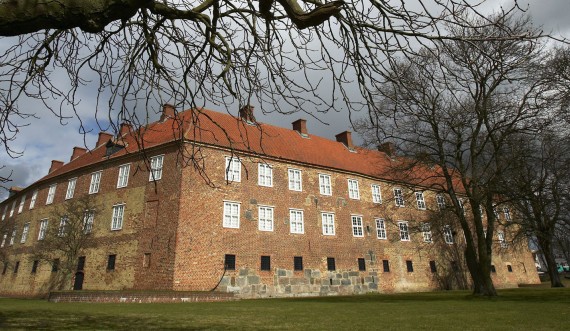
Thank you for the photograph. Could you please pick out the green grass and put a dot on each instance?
(514, 309)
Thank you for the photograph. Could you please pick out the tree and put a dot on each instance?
(449, 111)
(537, 185)
(131, 56)
(65, 238)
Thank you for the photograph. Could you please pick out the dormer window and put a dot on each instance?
(113, 146)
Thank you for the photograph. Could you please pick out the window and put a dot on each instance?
(296, 221)
(440, 198)
(509, 268)
(426, 231)
(357, 230)
(70, 188)
(32, 200)
(325, 184)
(95, 181)
(13, 237)
(230, 262)
(331, 265)
(432, 266)
(62, 227)
(16, 267)
(386, 265)
(447, 234)
(353, 191)
(265, 218)
(404, 233)
(111, 262)
(376, 194)
(497, 216)
(43, 229)
(420, 200)
(13, 207)
(4, 240)
(118, 213)
(328, 224)
(461, 205)
(123, 179)
(231, 215)
(233, 169)
(146, 260)
(88, 218)
(493, 269)
(409, 266)
(295, 180)
(21, 206)
(266, 263)
(155, 168)
(297, 263)
(25, 231)
(4, 214)
(35, 266)
(81, 263)
(398, 197)
(380, 228)
(361, 264)
(264, 175)
(502, 241)
(507, 213)
(55, 265)
(51, 194)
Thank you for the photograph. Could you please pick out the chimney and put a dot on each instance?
(77, 152)
(168, 111)
(389, 148)
(14, 190)
(300, 126)
(125, 129)
(246, 114)
(103, 138)
(345, 138)
(55, 164)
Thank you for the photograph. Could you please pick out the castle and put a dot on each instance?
(202, 200)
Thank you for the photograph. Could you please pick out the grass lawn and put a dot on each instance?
(516, 309)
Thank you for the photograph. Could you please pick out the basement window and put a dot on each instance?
(266, 263)
(230, 262)
(331, 265)
(297, 263)
(111, 262)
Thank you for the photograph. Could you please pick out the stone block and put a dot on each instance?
(243, 272)
(335, 282)
(281, 272)
(298, 281)
(284, 281)
(345, 282)
(373, 286)
(353, 273)
(316, 274)
(253, 280)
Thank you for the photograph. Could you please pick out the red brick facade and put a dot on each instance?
(173, 235)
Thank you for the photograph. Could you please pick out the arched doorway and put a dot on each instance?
(78, 283)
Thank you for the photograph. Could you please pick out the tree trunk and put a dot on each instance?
(482, 282)
(546, 248)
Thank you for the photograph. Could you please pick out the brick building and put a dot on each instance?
(238, 206)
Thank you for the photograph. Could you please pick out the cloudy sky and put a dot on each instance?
(46, 138)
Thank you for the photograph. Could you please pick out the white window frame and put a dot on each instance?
(399, 197)
(232, 171)
(461, 205)
(33, 199)
(62, 226)
(420, 200)
(265, 218)
(376, 193)
(51, 194)
(4, 213)
(95, 182)
(327, 220)
(88, 219)
(295, 178)
(13, 237)
(156, 163)
(70, 188)
(502, 240)
(123, 177)
(296, 221)
(404, 231)
(380, 228)
(4, 237)
(426, 232)
(231, 214)
(507, 213)
(264, 175)
(43, 229)
(118, 217)
(22, 202)
(325, 186)
(440, 199)
(353, 190)
(13, 208)
(25, 231)
(448, 235)
(357, 226)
